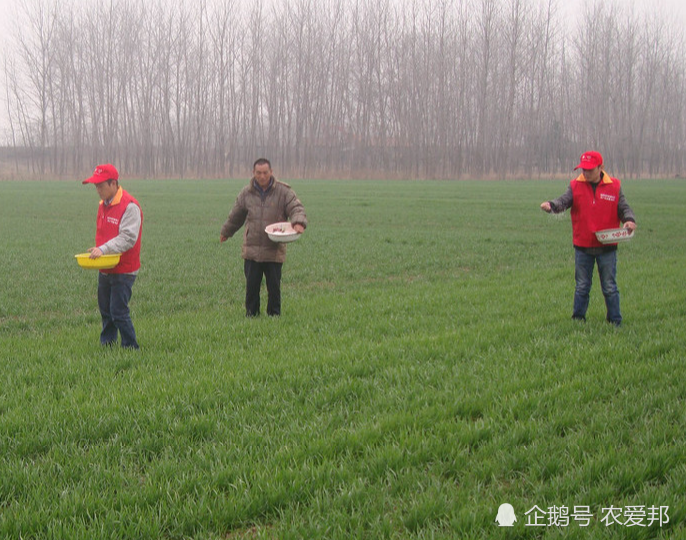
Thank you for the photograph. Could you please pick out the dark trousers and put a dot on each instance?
(114, 293)
(253, 281)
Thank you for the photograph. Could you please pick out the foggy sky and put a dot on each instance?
(674, 11)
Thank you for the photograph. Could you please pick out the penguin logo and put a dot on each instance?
(506, 516)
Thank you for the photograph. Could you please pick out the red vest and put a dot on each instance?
(593, 212)
(109, 217)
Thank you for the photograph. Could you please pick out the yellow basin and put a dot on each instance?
(101, 263)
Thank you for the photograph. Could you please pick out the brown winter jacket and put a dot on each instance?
(257, 209)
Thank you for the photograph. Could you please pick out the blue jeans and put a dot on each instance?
(607, 270)
(114, 293)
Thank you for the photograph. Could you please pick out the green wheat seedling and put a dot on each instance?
(424, 370)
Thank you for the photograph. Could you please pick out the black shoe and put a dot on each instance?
(577, 318)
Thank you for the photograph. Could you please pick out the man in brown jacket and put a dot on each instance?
(262, 202)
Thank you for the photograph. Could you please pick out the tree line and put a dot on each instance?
(344, 88)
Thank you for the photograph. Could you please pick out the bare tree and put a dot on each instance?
(425, 88)
(37, 49)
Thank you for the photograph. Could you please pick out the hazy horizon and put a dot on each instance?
(675, 8)
(349, 84)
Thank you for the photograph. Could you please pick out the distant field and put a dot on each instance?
(424, 370)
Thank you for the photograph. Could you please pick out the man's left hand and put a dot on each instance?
(630, 225)
(299, 228)
(95, 253)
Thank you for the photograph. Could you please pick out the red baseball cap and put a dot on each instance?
(102, 173)
(590, 160)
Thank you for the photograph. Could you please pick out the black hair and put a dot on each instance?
(262, 161)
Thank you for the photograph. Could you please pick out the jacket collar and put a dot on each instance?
(604, 179)
(261, 191)
(114, 200)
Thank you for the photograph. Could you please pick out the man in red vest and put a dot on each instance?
(118, 230)
(597, 202)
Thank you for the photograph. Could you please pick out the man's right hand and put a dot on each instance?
(545, 206)
(222, 239)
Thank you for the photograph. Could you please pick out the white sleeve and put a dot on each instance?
(129, 229)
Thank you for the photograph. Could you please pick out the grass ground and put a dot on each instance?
(424, 371)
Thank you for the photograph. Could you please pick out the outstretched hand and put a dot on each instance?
(545, 206)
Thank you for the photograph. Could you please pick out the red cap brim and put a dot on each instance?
(94, 180)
